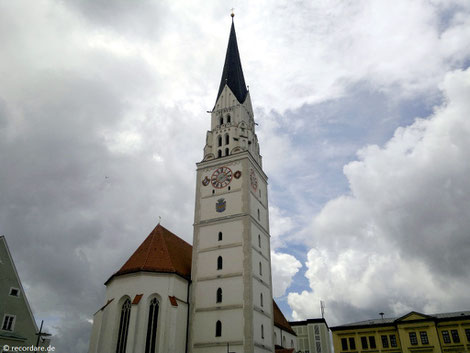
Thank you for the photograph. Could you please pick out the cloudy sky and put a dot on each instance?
(363, 110)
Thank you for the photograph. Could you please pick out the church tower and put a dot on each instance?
(231, 296)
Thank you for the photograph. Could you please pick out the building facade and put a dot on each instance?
(313, 336)
(214, 296)
(413, 332)
(18, 327)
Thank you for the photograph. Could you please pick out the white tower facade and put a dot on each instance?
(231, 296)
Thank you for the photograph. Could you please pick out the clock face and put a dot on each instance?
(253, 179)
(221, 177)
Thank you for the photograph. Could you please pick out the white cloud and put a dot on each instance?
(283, 267)
(400, 240)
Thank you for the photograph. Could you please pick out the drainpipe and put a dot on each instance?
(187, 318)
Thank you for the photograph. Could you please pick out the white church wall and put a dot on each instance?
(232, 325)
(207, 261)
(260, 244)
(231, 292)
(264, 273)
(255, 206)
(258, 320)
(259, 288)
(172, 320)
(231, 234)
(233, 205)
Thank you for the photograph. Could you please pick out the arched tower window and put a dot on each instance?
(226, 151)
(229, 119)
(262, 331)
(261, 299)
(260, 269)
(123, 327)
(227, 139)
(219, 295)
(221, 120)
(219, 263)
(219, 141)
(151, 341)
(220, 236)
(218, 329)
(219, 153)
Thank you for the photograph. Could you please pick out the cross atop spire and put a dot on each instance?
(232, 74)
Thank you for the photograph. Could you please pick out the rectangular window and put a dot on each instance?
(344, 344)
(14, 292)
(352, 343)
(413, 339)
(8, 322)
(364, 343)
(372, 342)
(393, 341)
(445, 336)
(318, 344)
(467, 333)
(424, 337)
(455, 336)
(384, 341)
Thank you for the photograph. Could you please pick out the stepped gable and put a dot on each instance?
(280, 321)
(161, 251)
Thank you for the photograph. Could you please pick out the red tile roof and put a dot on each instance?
(161, 251)
(280, 321)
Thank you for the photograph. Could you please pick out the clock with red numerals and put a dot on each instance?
(221, 177)
(253, 179)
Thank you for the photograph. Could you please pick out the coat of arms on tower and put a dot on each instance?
(205, 181)
(220, 205)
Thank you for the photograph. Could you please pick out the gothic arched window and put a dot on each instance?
(219, 141)
(220, 236)
(219, 263)
(229, 120)
(226, 151)
(123, 327)
(221, 120)
(218, 329)
(152, 324)
(219, 295)
(227, 139)
(219, 153)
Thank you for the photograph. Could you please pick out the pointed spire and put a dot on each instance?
(232, 74)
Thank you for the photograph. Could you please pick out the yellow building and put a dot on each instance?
(413, 332)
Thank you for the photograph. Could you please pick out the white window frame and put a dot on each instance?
(12, 323)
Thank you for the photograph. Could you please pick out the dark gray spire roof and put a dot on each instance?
(232, 74)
